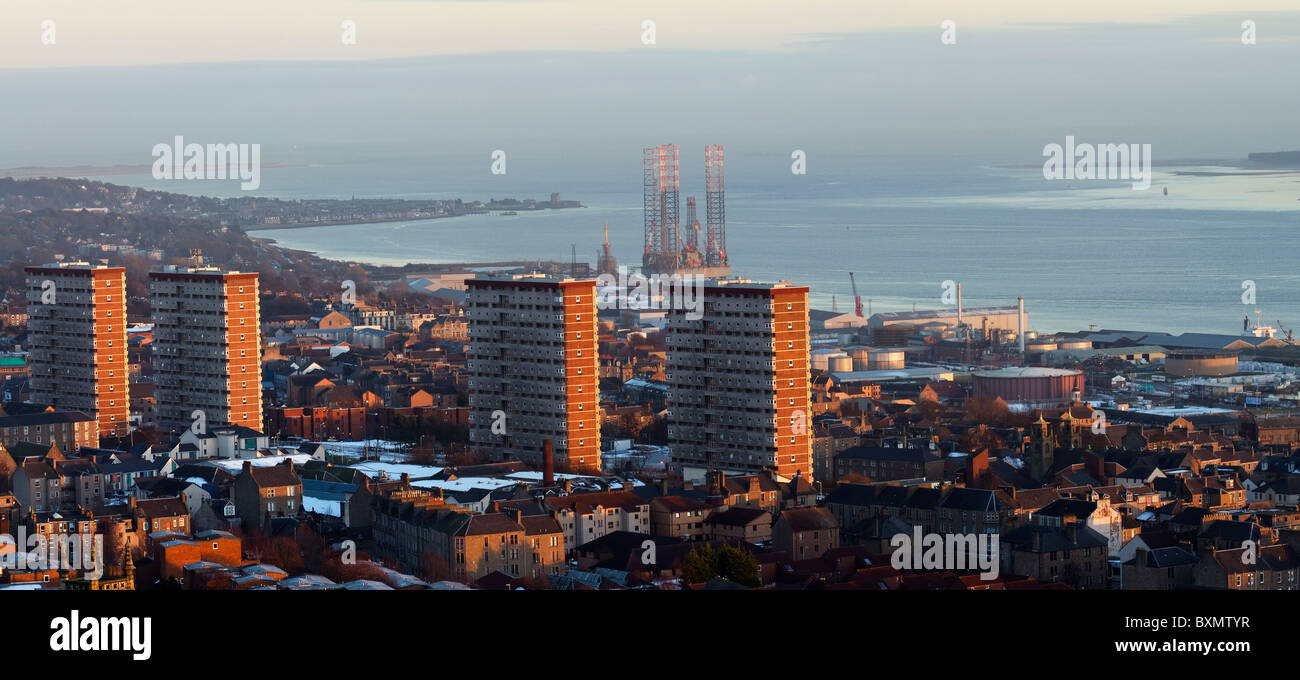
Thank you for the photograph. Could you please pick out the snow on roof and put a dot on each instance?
(306, 580)
(1175, 411)
(236, 464)
(364, 584)
(533, 476)
(465, 483)
(448, 585)
(323, 507)
(372, 469)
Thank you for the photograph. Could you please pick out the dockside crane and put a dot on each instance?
(857, 299)
(1290, 335)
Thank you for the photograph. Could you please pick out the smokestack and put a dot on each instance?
(548, 463)
(959, 306)
(1020, 327)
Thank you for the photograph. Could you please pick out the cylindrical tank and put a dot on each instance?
(1074, 344)
(841, 364)
(1188, 363)
(1030, 385)
(821, 358)
(886, 359)
(861, 358)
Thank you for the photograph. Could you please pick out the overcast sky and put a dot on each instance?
(126, 74)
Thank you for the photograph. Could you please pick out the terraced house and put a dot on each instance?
(422, 533)
(263, 493)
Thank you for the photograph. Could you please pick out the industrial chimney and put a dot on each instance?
(1020, 327)
(959, 307)
(548, 464)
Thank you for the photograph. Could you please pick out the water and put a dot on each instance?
(1082, 252)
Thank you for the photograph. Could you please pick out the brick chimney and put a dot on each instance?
(548, 464)
(248, 466)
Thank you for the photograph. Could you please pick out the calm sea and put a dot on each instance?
(1080, 252)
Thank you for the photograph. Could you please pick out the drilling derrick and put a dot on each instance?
(663, 248)
(715, 207)
(691, 255)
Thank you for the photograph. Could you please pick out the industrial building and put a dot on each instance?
(738, 381)
(1034, 386)
(990, 319)
(207, 352)
(533, 369)
(77, 326)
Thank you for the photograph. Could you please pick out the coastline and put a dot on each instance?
(381, 220)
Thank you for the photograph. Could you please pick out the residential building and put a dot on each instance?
(532, 367)
(77, 329)
(69, 430)
(738, 394)
(804, 533)
(206, 348)
(262, 493)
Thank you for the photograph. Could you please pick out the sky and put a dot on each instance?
(546, 76)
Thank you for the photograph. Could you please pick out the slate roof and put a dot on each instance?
(1053, 538)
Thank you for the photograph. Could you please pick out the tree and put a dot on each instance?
(433, 568)
(987, 410)
(312, 547)
(731, 562)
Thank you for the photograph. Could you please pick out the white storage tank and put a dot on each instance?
(861, 358)
(841, 364)
(886, 359)
(821, 358)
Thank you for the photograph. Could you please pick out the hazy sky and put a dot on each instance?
(547, 75)
(119, 32)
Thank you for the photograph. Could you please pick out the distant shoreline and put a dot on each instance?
(344, 223)
(89, 171)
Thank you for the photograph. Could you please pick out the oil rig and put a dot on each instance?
(670, 249)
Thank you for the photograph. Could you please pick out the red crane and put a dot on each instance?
(857, 299)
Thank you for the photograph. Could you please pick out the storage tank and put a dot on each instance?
(886, 359)
(1074, 344)
(1030, 385)
(821, 358)
(861, 358)
(841, 364)
(1189, 363)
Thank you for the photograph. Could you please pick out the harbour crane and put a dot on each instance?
(1290, 335)
(857, 299)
